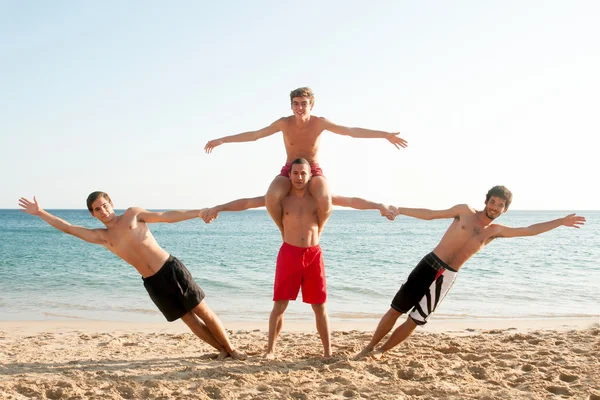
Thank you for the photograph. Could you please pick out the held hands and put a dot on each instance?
(574, 221)
(29, 207)
(209, 214)
(387, 211)
(212, 144)
(396, 140)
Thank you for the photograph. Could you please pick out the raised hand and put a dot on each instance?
(574, 221)
(29, 207)
(212, 144)
(396, 140)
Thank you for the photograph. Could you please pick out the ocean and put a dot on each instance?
(48, 275)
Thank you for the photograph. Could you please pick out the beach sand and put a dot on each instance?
(454, 360)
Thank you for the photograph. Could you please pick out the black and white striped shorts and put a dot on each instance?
(424, 289)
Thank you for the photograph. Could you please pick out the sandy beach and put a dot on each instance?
(474, 360)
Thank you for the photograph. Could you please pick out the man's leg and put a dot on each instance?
(200, 330)
(275, 326)
(385, 325)
(319, 189)
(400, 335)
(213, 324)
(279, 188)
(323, 328)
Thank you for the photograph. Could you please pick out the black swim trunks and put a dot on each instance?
(173, 289)
(424, 289)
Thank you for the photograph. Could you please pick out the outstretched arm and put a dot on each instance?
(393, 138)
(426, 214)
(362, 204)
(168, 216)
(570, 220)
(236, 205)
(33, 208)
(250, 136)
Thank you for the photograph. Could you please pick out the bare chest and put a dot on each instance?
(305, 138)
(127, 234)
(299, 208)
(470, 235)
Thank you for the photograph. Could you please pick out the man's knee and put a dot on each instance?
(278, 188)
(319, 188)
(202, 310)
(319, 309)
(279, 307)
(410, 324)
(392, 315)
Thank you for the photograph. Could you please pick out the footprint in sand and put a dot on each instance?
(507, 356)
(561, 390)
(473, 357)
(57, 393)
(341, 380)
(27, 391)
(378, 371)
(213, 392)
(262, 388)
(407, 374)
(126, 392)
(299, 396)
(527, 368)
(478, 373)
(568, 378)
(448, 350)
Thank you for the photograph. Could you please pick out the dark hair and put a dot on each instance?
(500, 191)
(95, 196)
(303, 92)
(299, 161)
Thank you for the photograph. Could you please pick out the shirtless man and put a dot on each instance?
(431, 279)
(168, 282)
(300, 261)
(302, 137)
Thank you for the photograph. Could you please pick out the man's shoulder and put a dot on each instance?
(464, 208)
(134, 211)
(463, 211)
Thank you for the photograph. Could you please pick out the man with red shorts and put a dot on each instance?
(302, 138)
(300, 260)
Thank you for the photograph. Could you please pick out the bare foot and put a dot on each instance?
(223, 354)
(376, 354)
(363, 353)
(270, 356)
(327, 354)
(237, 355)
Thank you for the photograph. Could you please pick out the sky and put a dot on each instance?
(123, 96)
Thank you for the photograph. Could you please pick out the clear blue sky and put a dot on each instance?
(123, 96)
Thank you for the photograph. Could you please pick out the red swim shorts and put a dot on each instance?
(300, 267)
(315, 170)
